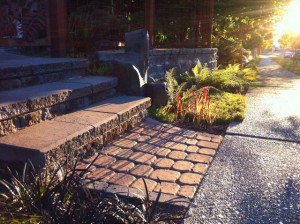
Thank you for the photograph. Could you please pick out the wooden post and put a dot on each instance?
(149, 19)
(206, 14)
(58, 27)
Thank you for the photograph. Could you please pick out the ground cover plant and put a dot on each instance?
(288, 64)
(202, 97)
(60, 194)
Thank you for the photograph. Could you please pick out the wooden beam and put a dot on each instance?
(149, 19)
(206, 13)
(58, 27)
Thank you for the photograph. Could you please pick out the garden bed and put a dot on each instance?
(205, 100)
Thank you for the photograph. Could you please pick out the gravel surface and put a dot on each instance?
(255, 177)
(273, 110)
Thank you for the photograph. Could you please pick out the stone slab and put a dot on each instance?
(71, 131)
(23, 100)
(122, 106)
(33, 65)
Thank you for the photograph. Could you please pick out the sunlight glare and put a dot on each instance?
(289, 22)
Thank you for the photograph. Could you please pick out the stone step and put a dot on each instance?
(73, 133)
(29, 71)
(30, 105)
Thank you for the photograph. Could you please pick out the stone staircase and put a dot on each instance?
(52, 107)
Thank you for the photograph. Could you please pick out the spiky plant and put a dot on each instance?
(62, 195)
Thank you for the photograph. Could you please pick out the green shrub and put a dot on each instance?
(202, 96)
(223, 108)
(231, 79)
(231, 107)
(229, 52)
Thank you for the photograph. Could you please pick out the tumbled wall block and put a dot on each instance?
(128, 114)
(16, 72)
(10, 84)
(7, 127)
(52, 67)
(42, 102)
(102, 129)
(71, 148)
(41, 112)
(30, 119)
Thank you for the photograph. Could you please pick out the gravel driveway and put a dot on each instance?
(255, 177)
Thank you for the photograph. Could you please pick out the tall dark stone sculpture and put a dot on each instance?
(132, 65)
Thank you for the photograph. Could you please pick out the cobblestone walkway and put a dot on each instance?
(170, 159)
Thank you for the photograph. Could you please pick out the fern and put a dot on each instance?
(171, 85)
(201, 72)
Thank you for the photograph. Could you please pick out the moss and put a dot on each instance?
(162, 114)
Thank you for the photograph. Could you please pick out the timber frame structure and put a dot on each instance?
(55, 17)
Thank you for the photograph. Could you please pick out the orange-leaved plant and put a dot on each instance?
(197, 105)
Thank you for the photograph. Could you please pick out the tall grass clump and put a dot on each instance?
(62, 195)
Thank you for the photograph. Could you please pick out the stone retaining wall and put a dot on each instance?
(161, 60)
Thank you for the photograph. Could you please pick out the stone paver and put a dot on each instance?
(163, 163)
(192, 148)
(200, 168)
(141, 171)
(104, 161)
(190, 178)
(207, 144)
(101, 174)
(122, 179)
(125, 143)
(177, 155)
(168, 188)
(199, 158)
(150, 184)
(187, 191)
(170, 159)
(165, 175)
(183, 166)
(122, 166)
(206, 151)
(141, 157)
(176, 146)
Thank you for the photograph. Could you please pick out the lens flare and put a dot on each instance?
(289, 23)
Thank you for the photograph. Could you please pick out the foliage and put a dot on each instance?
(202, 96)
(231, 107)
(98, 68)
(288, 64)
(232, 79)
(172, 86)
(196, 105)
(61, 195)
(229, 52)
(31, 14)
(248, 23)
(290, 41)
(163, 114)
(225, 108)
(100, 25)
